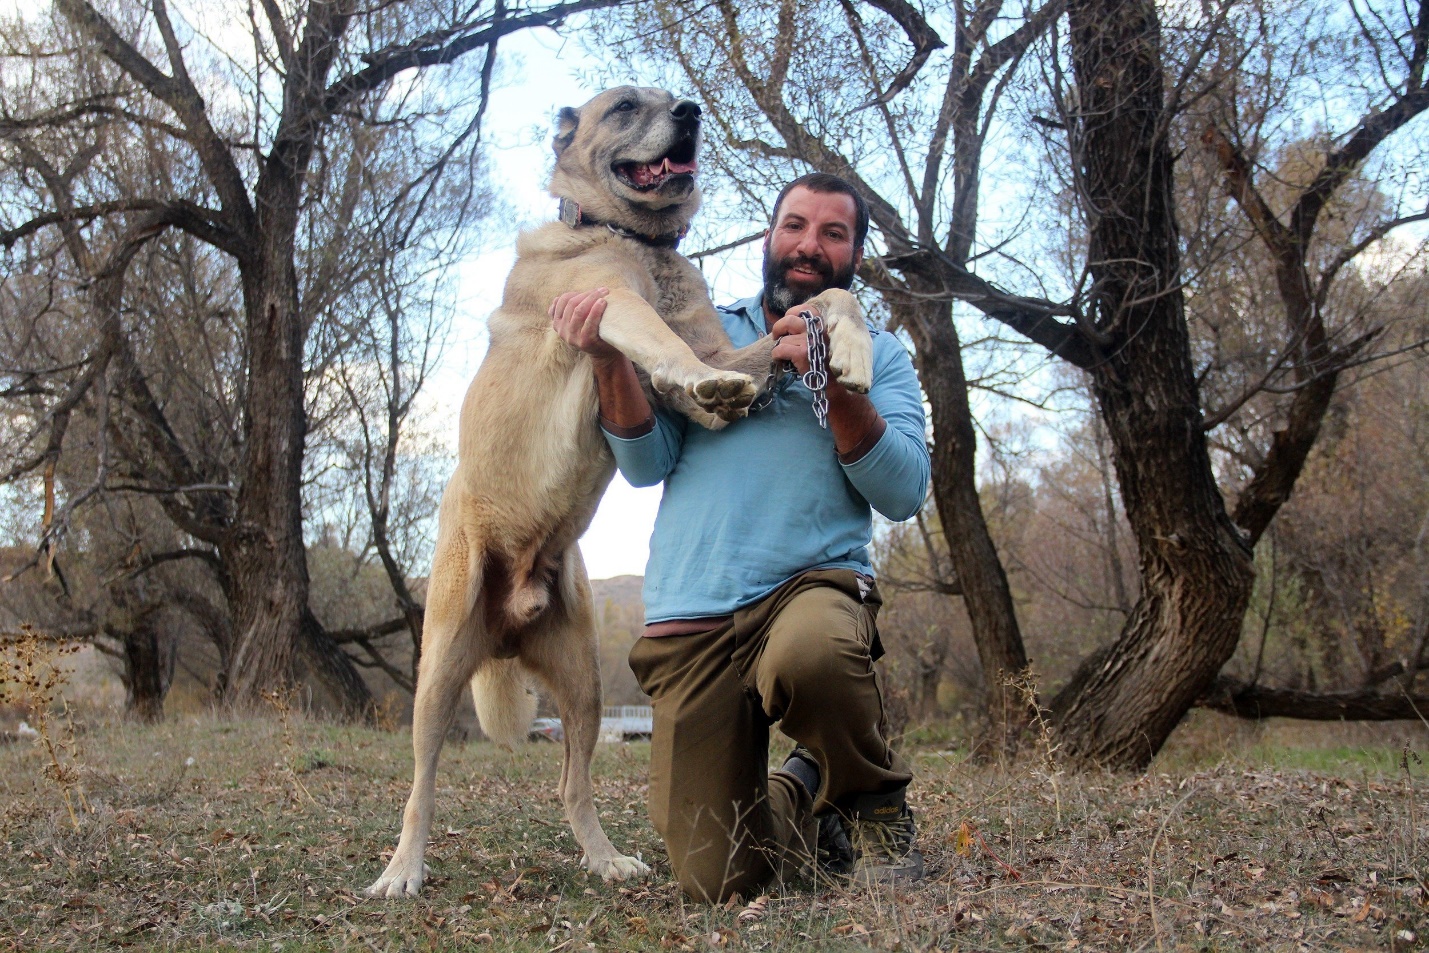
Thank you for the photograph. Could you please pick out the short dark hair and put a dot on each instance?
(825, 182)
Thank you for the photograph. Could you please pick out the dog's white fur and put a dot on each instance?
(508, 597)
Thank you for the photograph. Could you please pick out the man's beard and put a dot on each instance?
(779, 297)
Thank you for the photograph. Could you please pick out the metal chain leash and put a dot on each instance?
(816, 378)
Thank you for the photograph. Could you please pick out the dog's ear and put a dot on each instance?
(566, 121)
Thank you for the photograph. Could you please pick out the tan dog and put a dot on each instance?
(508, 597)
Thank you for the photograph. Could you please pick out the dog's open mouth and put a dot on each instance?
(647, 176)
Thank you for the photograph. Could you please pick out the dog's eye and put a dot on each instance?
(624, 106)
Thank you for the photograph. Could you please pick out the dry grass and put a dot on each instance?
(263, 841)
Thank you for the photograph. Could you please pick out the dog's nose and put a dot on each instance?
(685, 111)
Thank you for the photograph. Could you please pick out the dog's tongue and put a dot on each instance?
(676, 168)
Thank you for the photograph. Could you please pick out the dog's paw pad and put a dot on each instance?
(724, 394)
(735, 390)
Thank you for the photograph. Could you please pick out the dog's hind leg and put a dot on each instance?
(564, 656)
(451, 649)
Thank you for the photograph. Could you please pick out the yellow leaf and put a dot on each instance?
(963, 840)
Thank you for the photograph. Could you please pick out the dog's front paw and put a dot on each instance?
(400, 879)
(726, 394)
(851, 354)
(616, 867)
(850, 344)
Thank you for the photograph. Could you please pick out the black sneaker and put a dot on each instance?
(883, 850)
(835, 850)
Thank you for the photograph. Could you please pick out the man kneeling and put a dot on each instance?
(759, 596)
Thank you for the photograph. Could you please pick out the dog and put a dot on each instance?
(508, 598)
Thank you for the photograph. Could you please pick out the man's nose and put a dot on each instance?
(809, 244)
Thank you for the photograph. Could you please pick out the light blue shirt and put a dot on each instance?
(751, 506)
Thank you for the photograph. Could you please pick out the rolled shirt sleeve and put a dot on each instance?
(893, 475)
(648, 459)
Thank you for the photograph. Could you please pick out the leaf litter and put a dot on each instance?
(229, 853)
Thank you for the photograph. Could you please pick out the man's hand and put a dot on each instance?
(576, 316)
(791, 338)
(853, 420)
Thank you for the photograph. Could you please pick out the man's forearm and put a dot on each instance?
(623, 407)
(854, 422)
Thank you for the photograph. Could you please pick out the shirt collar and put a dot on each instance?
(752, 310)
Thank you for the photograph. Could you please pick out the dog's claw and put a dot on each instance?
(394, 884)
(616, 868)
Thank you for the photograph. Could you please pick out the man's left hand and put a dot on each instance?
(791, 338)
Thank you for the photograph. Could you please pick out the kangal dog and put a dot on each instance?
(508, 600)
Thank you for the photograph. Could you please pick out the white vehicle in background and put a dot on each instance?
(617, 723)
(548, 729)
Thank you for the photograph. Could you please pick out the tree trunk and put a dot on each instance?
(149, 658)
(1244, 700)
(986, 594)
(1195, 568)
(263, 550)
(329, 664)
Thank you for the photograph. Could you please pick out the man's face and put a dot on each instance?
(809, 248)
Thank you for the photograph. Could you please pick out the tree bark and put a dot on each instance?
(263, 551)
(1244, 700)
(1195, 567)
(981, 578)
(334, 669)
(149, 659)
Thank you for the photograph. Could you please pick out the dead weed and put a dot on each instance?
(257, 834)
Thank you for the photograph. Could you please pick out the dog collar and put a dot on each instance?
(572, 215)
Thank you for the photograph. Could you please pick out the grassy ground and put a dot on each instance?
(212, 834)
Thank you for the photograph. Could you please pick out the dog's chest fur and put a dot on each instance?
(674, 283)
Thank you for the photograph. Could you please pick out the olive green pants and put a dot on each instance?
(802, 656)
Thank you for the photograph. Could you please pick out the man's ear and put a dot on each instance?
(766, 239)
(566, 121)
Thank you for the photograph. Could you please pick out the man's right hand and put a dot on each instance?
(576, 316)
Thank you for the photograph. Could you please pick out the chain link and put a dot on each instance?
(816, 378)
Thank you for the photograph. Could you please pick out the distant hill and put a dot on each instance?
(623, 591)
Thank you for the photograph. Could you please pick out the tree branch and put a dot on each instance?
(441, 47)
(178, 94)
(1341, 163)
(84, 213)
(1347, 255)
(923, 37)
(346, 636)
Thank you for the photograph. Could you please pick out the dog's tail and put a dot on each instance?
(505, 704)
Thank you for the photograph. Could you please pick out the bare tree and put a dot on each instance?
(247, 154)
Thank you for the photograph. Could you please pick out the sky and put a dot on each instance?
(542, 75)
